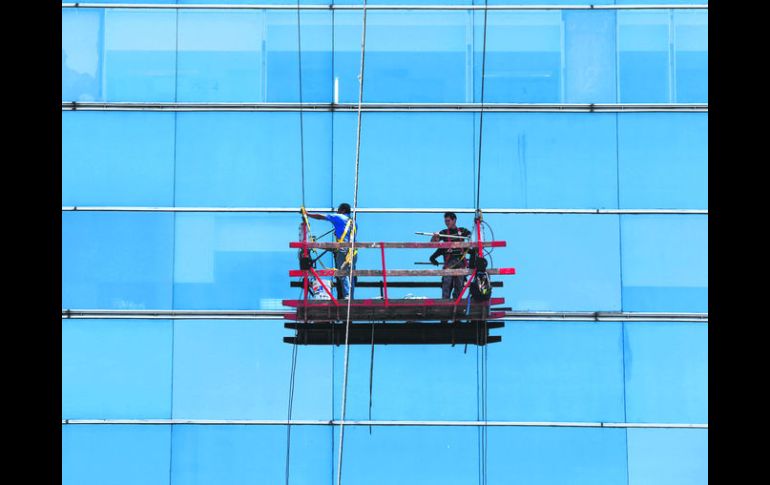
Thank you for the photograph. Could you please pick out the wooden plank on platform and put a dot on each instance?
(408, 302)
(397, 284)
(476, 333)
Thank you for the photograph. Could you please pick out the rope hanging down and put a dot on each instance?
(352, 247)
(307, 229)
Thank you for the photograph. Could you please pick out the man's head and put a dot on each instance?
(344, 208)
(450, 219)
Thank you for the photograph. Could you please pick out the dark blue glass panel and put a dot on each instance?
(221, 56)
(234, 261)
(117, 260)
(246, 372)
(252, 159)
(666, 367)
(282, 59)
(139, 55)
(589, 456)
(553, 371)
(691, 56)
(665, 263)
(117, 369)
(115, 454)
(413, 56)
(81, 54)
(589, 56)
(523, 59)
(672, 171)
(667, 456)
(117, 158)
(644, 57)
(237, 454)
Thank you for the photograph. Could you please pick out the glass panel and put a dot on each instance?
(117, 260)
(115, 454)
(252, 159)
(691, 56)
(590, 56)
(589, 456)
(411, 56)
(246, 372)
(658, 2)
(670, 173)
(117, 158)
(221, 56)
(644, 61)
(236, 454)
(666, 367)
(234, 261)
(524, 56)
(547, 160)
(451, 455)
(667, 456)
(554, 371)
(540, 160)
(282, 59)
(117, 369)
(139, 55)
(81, 54)
(665, 263)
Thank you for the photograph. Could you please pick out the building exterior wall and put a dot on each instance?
(594, 169)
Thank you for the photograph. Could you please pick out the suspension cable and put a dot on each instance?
(301, 110)
(352, 247)
(481, 115)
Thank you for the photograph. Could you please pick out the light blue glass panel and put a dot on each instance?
(667, 456)
(408, 454)
(81, 54)
(671, 172)
(237, 454)
(691, 56)
(115, 454)
(407, 159)
(246, 371)
(261, 2)
(536, 160)
(665, 263)
(553, 371)
(409, 382)
(117, 260)
(413, 56)
(139, 55)
(666, 372)
(644, 58)
(589, 456)
(523, 59)
(252, 159)
(117, 369)
(221, 56)
(590, 56)
(234, 261)
(117, 158)
(563, 262)
(548, 160)
(282, 59)
(658, 2)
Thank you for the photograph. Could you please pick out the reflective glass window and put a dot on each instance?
(644, 57)
(667, 456)
(691, 55)
(81, 54)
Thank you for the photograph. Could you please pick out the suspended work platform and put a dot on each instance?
(384, 320)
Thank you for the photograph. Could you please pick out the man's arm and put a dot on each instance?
(316, 216)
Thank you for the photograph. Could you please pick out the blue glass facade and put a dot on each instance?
(603, 211)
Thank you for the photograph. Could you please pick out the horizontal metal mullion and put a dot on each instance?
(388, 107)
(380, 210)
(336, 422)
(381, 7)
(512, 316)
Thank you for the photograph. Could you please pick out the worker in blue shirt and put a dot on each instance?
(343, 227)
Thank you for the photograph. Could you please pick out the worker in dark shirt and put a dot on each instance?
(343, 228)
(454, 258)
